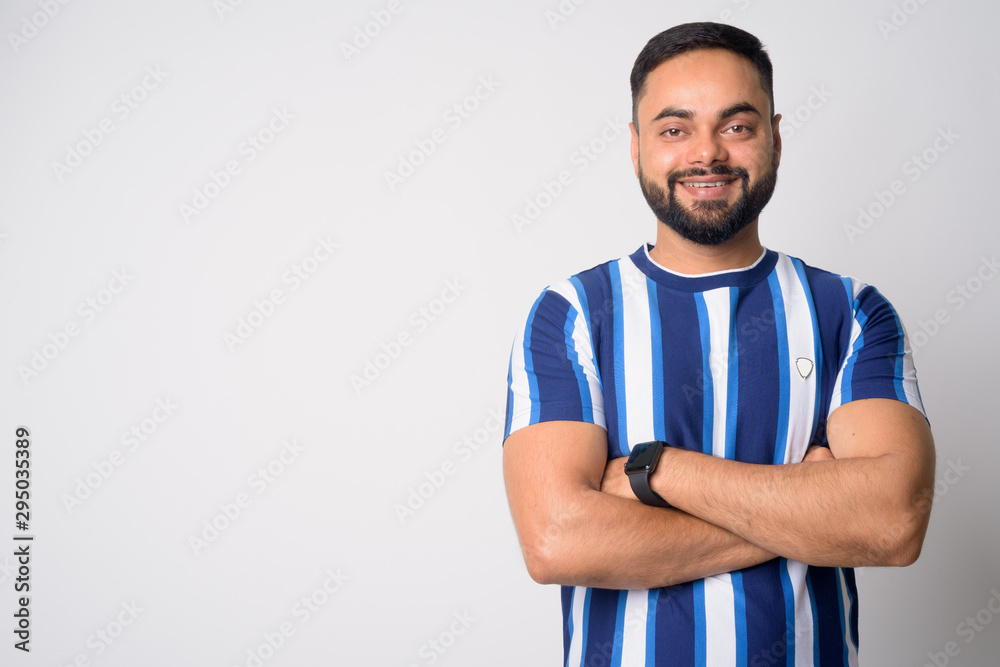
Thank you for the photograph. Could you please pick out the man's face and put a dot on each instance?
(705, 151)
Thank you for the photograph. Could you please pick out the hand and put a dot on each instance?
(615, 481)
(817, 453)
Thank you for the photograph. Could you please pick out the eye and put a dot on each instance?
(739, 129)
(672, 132)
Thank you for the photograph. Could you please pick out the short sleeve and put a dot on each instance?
(879, 360)
(553, 371)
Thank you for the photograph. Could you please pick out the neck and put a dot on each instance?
(676, 253)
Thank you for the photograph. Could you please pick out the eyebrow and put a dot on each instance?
(673, 112)
(740, 107)
(687, 114)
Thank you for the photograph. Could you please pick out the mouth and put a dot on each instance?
(713, 186)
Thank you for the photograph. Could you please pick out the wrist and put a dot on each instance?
(663, 478)
(640, 466)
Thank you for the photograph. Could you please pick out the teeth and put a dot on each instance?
(705, 185)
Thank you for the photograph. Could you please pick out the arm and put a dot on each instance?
(572, 533)
(868, 506)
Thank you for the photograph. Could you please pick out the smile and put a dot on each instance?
(718, 184)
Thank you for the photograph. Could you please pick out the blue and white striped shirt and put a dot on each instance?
(744, 364)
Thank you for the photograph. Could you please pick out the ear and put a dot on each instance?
(635, 148)
(775, 122)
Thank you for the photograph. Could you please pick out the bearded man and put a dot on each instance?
(703, 438)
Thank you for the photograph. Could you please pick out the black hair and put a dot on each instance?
(690, 37)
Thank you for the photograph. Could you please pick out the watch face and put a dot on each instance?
(643, 456)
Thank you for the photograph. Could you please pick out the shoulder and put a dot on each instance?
(834, 290)
(826, 282)
(588, 292)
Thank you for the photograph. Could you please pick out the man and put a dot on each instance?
(795, 442)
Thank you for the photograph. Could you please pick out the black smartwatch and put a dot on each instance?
(639, 466)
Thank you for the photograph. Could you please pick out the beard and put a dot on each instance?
(713, 221)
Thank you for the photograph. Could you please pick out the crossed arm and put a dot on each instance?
(866, 501)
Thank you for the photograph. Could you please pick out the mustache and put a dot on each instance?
(717, 170)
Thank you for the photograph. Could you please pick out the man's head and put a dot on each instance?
(691, 37)
(705, 141)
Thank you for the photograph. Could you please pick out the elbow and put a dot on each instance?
(905, 550)
(914, 519)
(548, 551)
(542, 556)
(540, 569)
(903, 538)
(909, 548)
(906, 555)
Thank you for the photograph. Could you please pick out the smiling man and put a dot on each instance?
(704, 437)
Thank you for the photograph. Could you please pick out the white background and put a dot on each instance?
(892, 78)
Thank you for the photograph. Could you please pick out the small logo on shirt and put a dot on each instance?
(804, 366)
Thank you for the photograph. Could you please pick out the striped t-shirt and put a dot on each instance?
(744, 364)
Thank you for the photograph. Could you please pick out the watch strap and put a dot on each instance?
(641, 462)
(644, 492)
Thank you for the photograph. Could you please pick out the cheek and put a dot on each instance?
(659, 160)
(761, 157)
(755, 162)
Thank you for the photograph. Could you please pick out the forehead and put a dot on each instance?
(702, 81)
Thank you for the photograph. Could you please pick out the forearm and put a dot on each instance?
(579, 523)
(600, 540)
(848, 512)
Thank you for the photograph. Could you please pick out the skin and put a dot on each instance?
(863, 501)
(866, 502)
(687, 121)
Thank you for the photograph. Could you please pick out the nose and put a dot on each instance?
(706, 149)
